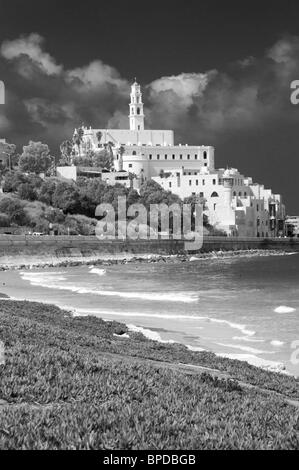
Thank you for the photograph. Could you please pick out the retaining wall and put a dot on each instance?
(74, 246)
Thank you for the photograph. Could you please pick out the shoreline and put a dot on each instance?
(276, 366)
(124, 258)
(153, 335)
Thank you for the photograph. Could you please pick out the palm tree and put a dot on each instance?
(99, 136)
(78, 138)
(66, 148)
(132, 176)
(121, 151)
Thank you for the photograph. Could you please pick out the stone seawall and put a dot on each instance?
(56, 247)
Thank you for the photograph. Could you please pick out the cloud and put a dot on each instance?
(186, 86)
(30, 47)
(96, 75)
(198, 105)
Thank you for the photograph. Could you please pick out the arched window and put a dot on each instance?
(134, 152)
(214, 194)
(138, 110)
(205, 154)
(240, 194)
(234, 193)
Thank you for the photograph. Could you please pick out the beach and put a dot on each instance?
(210, 302)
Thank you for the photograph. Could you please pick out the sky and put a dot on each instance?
(217, 73)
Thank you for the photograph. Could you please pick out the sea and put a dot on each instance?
(244, 307)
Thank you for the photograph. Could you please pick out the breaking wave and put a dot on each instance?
(284, 309)
(52, 280)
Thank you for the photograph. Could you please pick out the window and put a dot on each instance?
(195, 156)
(240, 194)
(245, 194)
(214, 181)
(170, 185)
(205, 155)
(181, 157)
(214, 194)
(138, 110)
(150, 156)
(158, 157)
(196, 182)
(165, 157)
(214, 207)
(190, 182)
(258, 222)
(134, 152)
(257, 207)
(203, 182)
(206, 164)
(234, 193)
(201, 194)
(188, 156)
(173, 157)
(130, 165)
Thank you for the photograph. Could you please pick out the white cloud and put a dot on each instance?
(186, 86)
(31, 46)
(96, 74)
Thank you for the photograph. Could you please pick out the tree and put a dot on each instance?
(152, 193)
(14, 209)
(66, 197)
(104, 159)
(35, 158)
(80, 224)
(4, 220)
(6, 154)
(47, 190)
(13, 180)
(66, 149)
(78, 138)
(99, 136)
(85, 160)
(27, 191)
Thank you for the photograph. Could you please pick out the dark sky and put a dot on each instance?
(218, 73)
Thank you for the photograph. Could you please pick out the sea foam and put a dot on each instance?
(98, 271)
(52, 280)
(245, 348)
(150, 334)
(284, 309)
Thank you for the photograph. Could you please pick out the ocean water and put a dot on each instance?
(245, 307)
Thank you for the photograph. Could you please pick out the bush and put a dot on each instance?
(14, 209)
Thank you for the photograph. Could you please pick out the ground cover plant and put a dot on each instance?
(75, 383)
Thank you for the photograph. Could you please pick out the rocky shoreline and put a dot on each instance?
(125, 258)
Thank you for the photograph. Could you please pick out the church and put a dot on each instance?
(232, 202)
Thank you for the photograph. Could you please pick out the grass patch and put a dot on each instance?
(64, 391)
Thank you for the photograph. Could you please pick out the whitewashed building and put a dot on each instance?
(231, 201)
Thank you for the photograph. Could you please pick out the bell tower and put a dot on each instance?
(136, 108)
